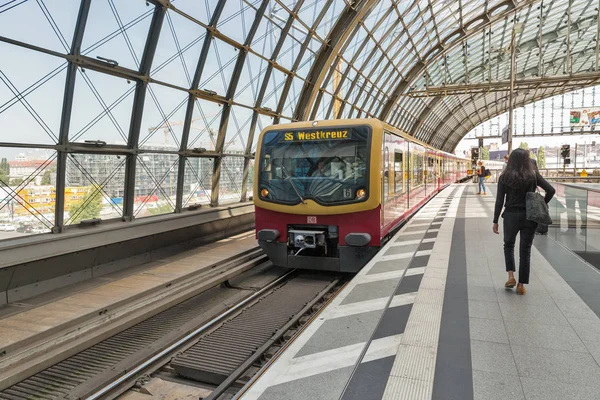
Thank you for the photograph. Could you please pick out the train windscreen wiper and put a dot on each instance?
(289, 178)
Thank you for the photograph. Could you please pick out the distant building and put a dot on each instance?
(23, 169)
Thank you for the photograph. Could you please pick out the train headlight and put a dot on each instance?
(361, 193)
(264, 193)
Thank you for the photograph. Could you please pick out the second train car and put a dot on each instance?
(328, 194)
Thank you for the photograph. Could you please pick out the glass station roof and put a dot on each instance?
(157, 104)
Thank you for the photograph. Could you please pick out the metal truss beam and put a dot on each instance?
(65, 122)
(526, 100)
(346, 22)
(547, 134)
(550, 82)
(138, 110)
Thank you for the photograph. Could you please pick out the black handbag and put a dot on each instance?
(536, 209)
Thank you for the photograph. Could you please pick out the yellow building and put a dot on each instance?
(42, 199)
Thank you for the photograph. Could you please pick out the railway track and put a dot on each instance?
(212, 340)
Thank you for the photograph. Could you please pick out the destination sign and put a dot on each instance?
(316, 135)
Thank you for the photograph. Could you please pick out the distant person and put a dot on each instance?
(518, 178)
(481, 176)
(505, 162)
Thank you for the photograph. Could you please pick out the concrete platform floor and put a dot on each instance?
(429, 318)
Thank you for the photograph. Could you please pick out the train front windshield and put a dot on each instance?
(329, 166)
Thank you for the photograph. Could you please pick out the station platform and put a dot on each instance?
(429, 318)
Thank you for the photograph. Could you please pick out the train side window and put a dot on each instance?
(398, 172)
(386, 178)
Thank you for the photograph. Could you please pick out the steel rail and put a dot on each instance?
(189, 337)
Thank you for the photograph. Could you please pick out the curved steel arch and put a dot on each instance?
(335, 39)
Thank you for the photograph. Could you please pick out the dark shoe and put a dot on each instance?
(510, 283)
(521, 290)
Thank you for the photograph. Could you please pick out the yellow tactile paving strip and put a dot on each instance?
(33, 324)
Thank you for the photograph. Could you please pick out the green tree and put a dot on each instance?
(525, 145)
(16, 181)
(541, 157)
(47, 177)
(161, 209)
(485, 153)
(88, 207)
(4, 172)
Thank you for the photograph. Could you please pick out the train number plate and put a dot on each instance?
(311, 220)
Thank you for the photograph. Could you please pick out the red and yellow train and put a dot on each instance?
(328, 194)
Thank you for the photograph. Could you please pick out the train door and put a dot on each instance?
(417, 180)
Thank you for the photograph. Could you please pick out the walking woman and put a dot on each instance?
(481, 175)
(518, 178)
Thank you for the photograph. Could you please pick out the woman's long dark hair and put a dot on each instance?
(519, 172)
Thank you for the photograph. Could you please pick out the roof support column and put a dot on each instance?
(513, 71)
(138, 109)
(65, 122)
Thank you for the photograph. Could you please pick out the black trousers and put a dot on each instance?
(515, 222)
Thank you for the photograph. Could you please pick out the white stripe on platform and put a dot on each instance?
(405, 242)
(372, 305)
(397, 256)
(404, 233)
(415, 271)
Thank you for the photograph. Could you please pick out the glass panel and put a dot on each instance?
(592, 244)
(31, 95)
(267, 35)
(155, 184)
(163, 119)
(118, 31)
(332, 14)
(205, 125)
(291, 48)
(219, 67)
(236, 20)
(202, 11)
(197, 181)
(291, 99)
(178, 51)
(274, 88)
(54, 22)
(102, 107)
(94, 187)
(238, 128)
(27, 191)
(230, 186)
(250, 185)
(251, 80)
